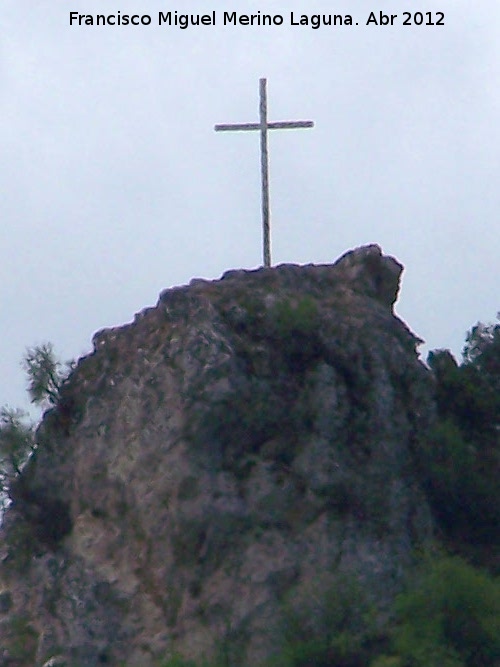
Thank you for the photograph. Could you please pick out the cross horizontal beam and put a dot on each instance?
(275, 125)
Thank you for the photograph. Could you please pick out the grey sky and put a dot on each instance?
(114, 184)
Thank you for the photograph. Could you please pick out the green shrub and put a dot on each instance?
(21, 546)
(295, 318)
(20, 638)
(295, 327)
(333, 625)
(482, 351)
(459, 461)
(239, 423)
(461, 487)
(449, 618)
(46, 374)
(178, 661)
(387, 661)
(17, 442)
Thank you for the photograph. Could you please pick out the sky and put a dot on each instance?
(115, 186)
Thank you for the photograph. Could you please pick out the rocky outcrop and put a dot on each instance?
(238, 448)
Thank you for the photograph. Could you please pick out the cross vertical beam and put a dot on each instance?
(264, 168)
(263, 125)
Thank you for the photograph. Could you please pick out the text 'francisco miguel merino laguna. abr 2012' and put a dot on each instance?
(314, 21)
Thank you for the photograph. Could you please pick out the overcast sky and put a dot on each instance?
(114, 184)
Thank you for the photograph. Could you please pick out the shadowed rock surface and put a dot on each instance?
(238, 447)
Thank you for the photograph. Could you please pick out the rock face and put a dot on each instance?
(240, 446)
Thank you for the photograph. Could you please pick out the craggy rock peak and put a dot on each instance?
(236, 451)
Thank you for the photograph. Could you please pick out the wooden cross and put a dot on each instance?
(263, 125)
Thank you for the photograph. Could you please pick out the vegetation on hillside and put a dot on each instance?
(17, 441)
(45, 374)
(45, 377)
(447, 616)
(460, 460)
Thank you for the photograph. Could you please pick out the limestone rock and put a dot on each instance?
(237, 446)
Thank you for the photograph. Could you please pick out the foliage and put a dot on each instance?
(178, 661)
(333, 625)
(450, 617)
(21, 639)
(295, 327)
(482, 350)
(461, 487)
(21, 546)
(460, 460)
(17, 441)
(466, 394)
(45, 374)
(295, 318)
(387, 661)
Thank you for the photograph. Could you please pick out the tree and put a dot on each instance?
(17, 441)
(460, 459)
(449, 617)
(482, 351)
(45, 374)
